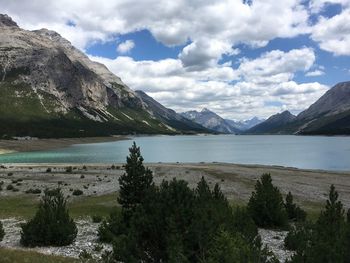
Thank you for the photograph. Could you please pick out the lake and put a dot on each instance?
(311, 152)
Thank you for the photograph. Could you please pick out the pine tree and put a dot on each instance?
(327, 242)
(51, 224)
(266, 204)
(135, 181)
(294, 212)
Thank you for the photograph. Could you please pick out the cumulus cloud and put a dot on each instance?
(125, 47)
(333, 34)
(208, 30)
(314, 73)
(234, 93)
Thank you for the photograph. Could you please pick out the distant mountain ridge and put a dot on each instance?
(274, 124)
(169, 116)
(213, 121)
(329, 115)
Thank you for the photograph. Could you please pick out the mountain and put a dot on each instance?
(330, 114)
(245, 124)
(272, 125)
(48, 88)
(169, 116)
(211, 120)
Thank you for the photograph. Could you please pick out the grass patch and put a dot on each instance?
(93, 205)
(21, 256)
(25, 206)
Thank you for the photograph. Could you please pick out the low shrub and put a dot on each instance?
(9, 174)
(33, 191)
(10, 187)
(51, 225)
(49, 170)
(2, 232)
(69, 169)
(82, 176)
(96, 219)
(77, 192)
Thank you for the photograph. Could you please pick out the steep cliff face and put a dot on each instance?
(43, 78)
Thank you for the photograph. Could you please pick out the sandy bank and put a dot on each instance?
(8, 146)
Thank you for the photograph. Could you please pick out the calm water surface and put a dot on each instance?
(313, 152)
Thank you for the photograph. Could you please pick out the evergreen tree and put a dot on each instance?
(51, 224)
(294, 212)
(327, 241)
(135, 182)
(266, 204)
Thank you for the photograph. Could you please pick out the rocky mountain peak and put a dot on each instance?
(7, 21)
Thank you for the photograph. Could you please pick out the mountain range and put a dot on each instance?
(213, 121)
(329, 115)
(48, 88)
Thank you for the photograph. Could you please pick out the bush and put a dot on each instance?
(77, 192)
(51, 225)
(96, 219)
(2, 232)
(69, 169)
(82, 176)
(294, 212)
(48, 170)
(266, 204)
(298, 236)
(33, 191)
(10, 187)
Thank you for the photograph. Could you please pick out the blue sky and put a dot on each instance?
(238, 58)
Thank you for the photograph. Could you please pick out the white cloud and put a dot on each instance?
(126, 46)
(314, 73)
(170, 22)
(333, 34)
(234, 93)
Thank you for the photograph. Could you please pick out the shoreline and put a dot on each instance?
(11, 146)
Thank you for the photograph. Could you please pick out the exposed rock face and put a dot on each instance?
(210, 120)
(46, 83)
(49, 63)
(272, 124)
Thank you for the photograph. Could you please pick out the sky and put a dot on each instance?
(239, 58)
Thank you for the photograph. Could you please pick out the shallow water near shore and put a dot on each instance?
(307, 152)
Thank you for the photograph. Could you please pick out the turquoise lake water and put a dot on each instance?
(312, 152)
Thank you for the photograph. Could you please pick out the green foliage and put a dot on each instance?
(329, 238)
(51, 224)
(2, 232)
(173, 223)
(77, 192)
(135, 182)
(294, 212)
(266, 204)
(96, 219)
(298, 236)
